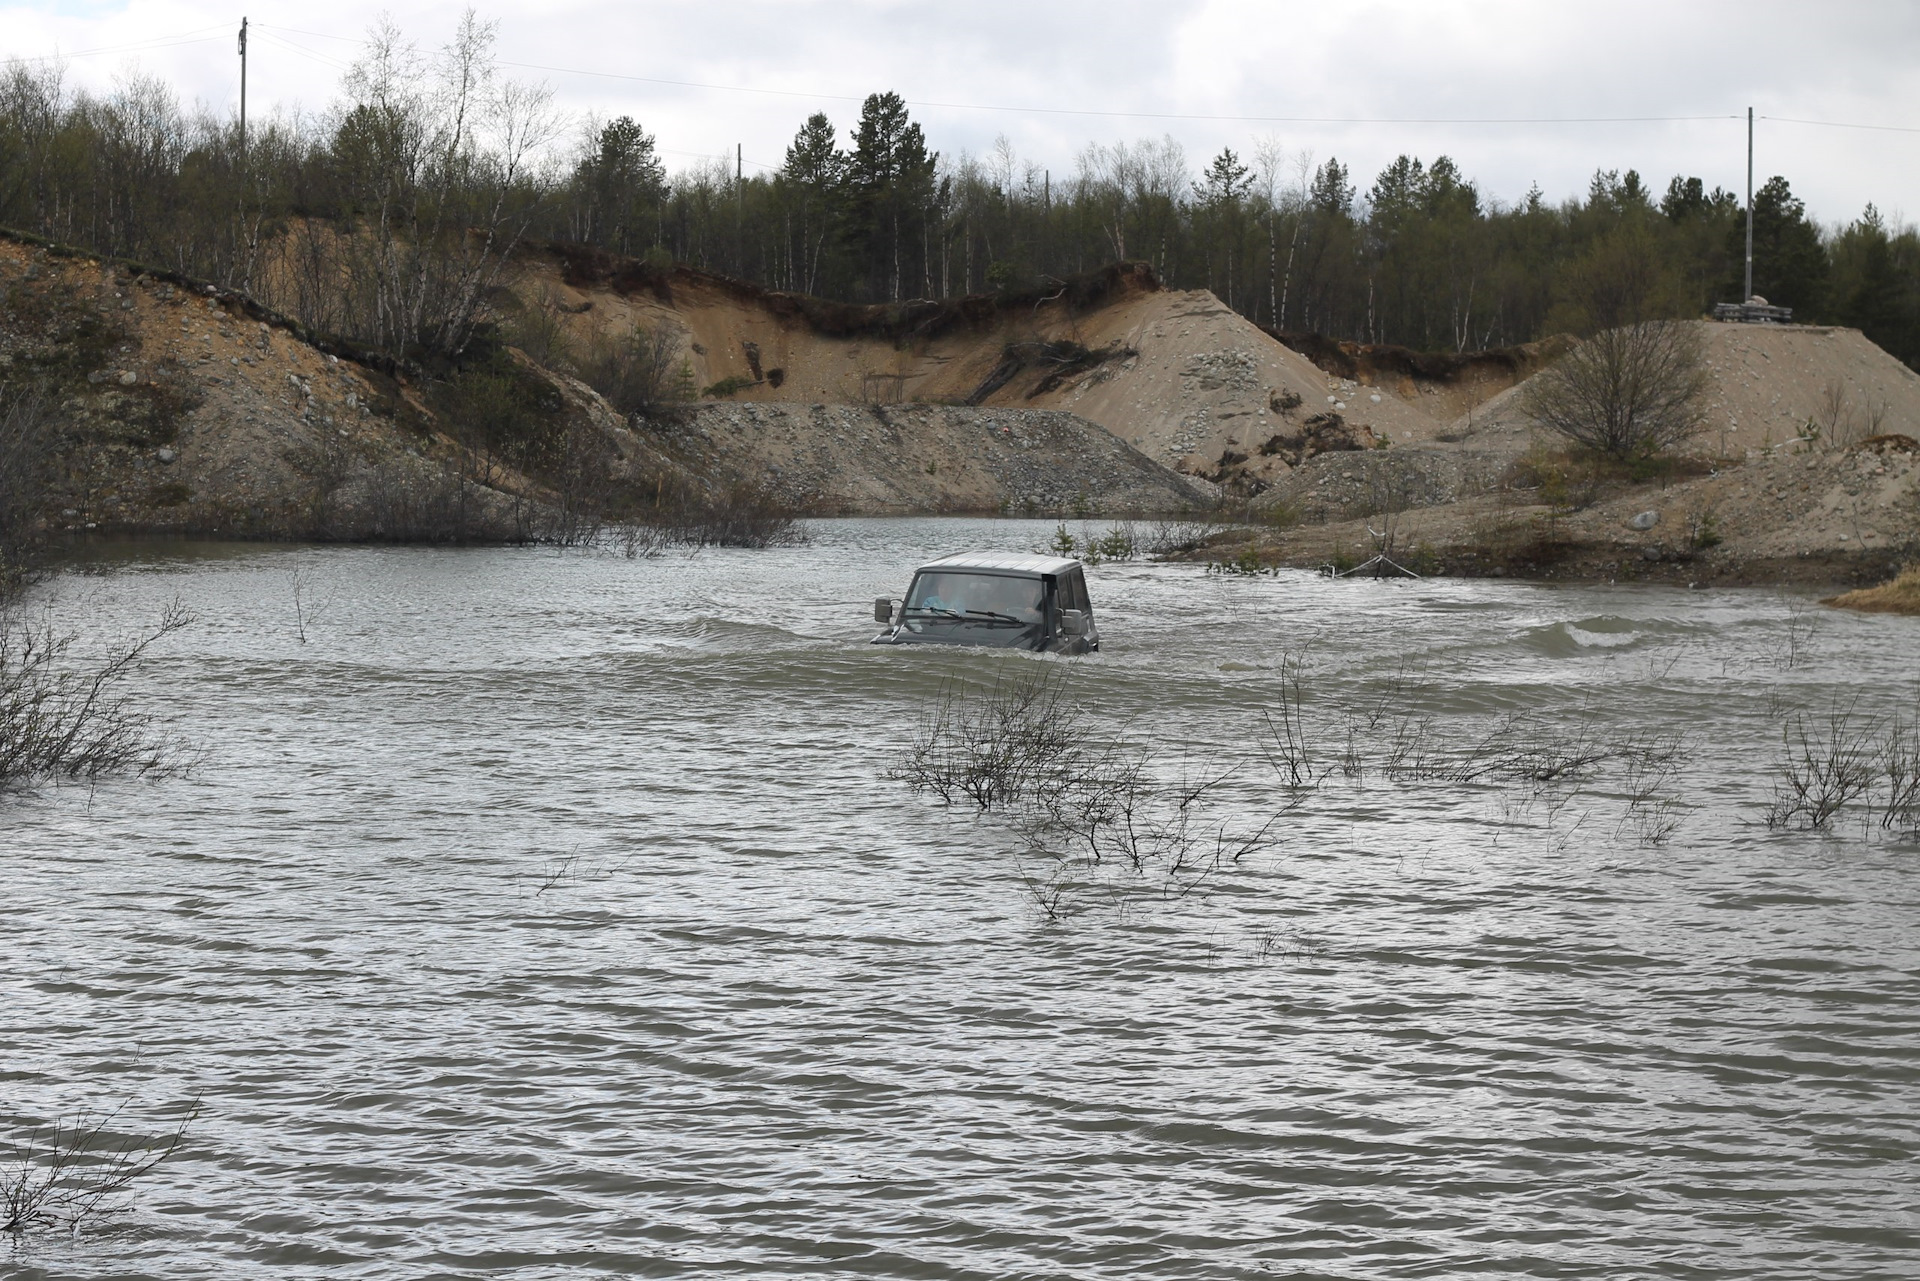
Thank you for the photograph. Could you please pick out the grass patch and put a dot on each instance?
(1898, 595)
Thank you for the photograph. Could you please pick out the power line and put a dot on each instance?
(138, 46)
(1085, 111)
(1837, 124)
(335, 64)
(929, 104)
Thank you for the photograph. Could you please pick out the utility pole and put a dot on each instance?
(1749, 292)
(243, 90)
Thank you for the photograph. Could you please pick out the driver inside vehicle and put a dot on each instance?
(980, 595)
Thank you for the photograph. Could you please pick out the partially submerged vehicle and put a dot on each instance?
(1004, 602)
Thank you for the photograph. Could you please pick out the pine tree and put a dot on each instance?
(810, 183)
(622, 183)
(889, 184)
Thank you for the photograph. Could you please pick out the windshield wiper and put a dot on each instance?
(998, 618)
(935, 610)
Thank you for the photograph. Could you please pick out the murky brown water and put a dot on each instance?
(551, 915)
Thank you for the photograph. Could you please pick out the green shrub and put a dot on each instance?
(726, 387)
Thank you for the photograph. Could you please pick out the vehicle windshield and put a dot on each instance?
(975, 609)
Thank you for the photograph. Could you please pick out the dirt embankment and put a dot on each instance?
(1176, 374)
(187, 409)
(181, 408)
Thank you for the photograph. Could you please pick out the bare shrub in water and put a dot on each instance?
(1087, 808)
(1823, 768)
(994, 747)
(1110, 828)
(739, 516)
(61, 1175)
(1288, 743)
(62, 717)
(1900, 771)
(1178, 534)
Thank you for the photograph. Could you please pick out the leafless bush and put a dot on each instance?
(62, 1174)
(1900, 773)
(1833, 425)
(1095, 816)
(1178, 534)
(637, 541)
(1522, 750)
(1114, 830)
(539, 328)
(738, 516)
(63, 717)
(1803, 625)
(1289, 742)
(581, 486)
(995, 747)
(1823, 767)
(1381, 731)
(26, 429)
(431, 504)
(325, 463)
(1626, 392)
(1650, 784)
(640, 372)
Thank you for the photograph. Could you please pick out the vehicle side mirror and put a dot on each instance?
(883, 609)
(1073, 622)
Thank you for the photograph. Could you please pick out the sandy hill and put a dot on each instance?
(1766, 385)
(1174, 373)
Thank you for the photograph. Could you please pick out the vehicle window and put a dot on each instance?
(1076, 592)
(977, 596)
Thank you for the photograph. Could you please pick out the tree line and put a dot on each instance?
(387, 218)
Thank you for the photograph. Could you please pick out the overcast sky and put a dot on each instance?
(1035, 64)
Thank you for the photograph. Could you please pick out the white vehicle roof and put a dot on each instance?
(1003, 563)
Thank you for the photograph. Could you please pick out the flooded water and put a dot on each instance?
(544, 915)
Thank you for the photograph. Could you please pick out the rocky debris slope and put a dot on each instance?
(901, 459)
(1347, 485)
(1817, 516)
